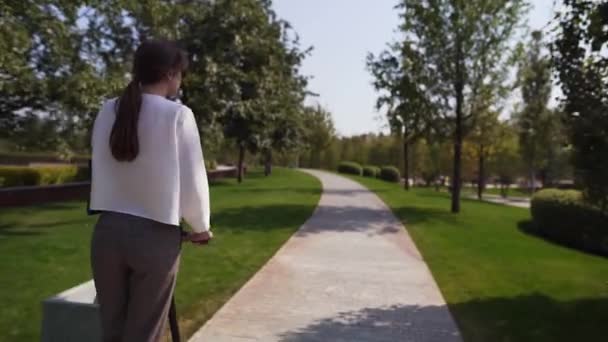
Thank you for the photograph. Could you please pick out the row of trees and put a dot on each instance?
(449, 80)
(499, 158)
(60, 59)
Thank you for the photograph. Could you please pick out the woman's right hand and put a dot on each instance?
(200, 238)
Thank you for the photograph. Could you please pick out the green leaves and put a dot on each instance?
(581, 65)
(244, 80)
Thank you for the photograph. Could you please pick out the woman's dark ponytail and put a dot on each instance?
(154, 60)
(124, 142)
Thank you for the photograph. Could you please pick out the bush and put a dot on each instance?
(19, 176)
(350, 168)
(41, 175)
(25, 158)
(210, 165)
(563, 216)
(390, 174)
(371, 171)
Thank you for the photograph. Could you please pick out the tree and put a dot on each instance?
(506, 163)
(485, 136)
(319, 134)
(286, 132)
(465, 47)
(398, 75)
(245, 74)
(46, 67)
(554, 152)
(61, 58)
(579, 57)
(534, 76)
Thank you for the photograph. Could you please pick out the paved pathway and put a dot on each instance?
(350, 274)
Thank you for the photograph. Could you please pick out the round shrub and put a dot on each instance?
(371, 171)
(563, 216)
(390, 174)
(350, 168)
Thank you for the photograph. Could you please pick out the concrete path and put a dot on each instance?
(350, 274)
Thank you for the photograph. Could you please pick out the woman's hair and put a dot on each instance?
(154, 60)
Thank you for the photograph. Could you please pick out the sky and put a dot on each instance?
(342, 33)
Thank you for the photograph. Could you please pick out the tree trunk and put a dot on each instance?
(241, 162)
(268, 163)
(481, 174)
(456, 181)
(532, 180)
(406, 163)
(458, 87)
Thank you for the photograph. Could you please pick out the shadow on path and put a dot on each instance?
(397, 323)
(530, 317)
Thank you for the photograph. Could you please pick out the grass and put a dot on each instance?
(500, 283)
(512, 192)
(45, 249)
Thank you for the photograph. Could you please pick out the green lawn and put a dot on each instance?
(45, 249)
(500, 283)
(512, 192)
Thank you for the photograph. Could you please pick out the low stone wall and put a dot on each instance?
(31, 195)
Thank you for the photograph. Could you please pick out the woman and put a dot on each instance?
(148, 173)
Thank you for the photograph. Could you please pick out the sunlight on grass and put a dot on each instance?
(46, 249)
(500, 283)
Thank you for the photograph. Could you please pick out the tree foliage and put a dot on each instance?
(465, 49)
(399, 76)
(582, 67)
(244, 84)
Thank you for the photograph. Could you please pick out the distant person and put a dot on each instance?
(147, 174)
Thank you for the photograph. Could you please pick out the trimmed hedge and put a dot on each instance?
(371, 171)
(210, 165)
(563, 216)
(26, 158)
(390, 174)
(350, 168)
(43, 175)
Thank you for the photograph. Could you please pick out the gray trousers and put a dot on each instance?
(135, 262)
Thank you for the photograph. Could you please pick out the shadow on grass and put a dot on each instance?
(42, 225)
(242, 219)
(306, 190)
(14, 229)
(434, 194)
(266, 190)
(21, 233)
(528, 227)
(531, 317)
(58, 206)
(324, 219)
(415, 215)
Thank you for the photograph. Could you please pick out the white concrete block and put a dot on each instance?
(72, 316)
